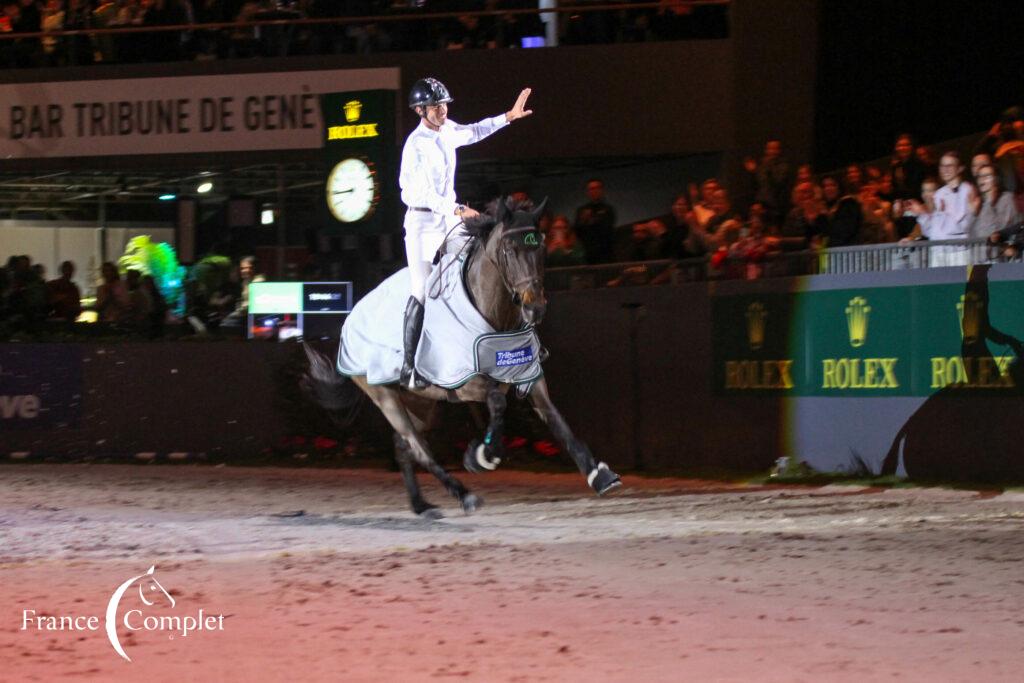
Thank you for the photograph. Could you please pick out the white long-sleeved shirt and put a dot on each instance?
(952, 218)
(427, 174)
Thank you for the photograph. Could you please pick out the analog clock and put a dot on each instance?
(351, 190)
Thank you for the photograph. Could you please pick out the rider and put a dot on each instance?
(427, 179)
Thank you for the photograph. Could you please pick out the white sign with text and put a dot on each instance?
(175, 115)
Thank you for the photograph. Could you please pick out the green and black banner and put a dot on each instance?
(884, 341)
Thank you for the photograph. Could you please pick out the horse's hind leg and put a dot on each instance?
(387, 399)
(486, 455)
(598, 475)
(421, 507)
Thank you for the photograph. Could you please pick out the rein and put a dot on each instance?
(476, 242)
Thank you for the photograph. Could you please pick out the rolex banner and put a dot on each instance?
(359, 148)
(885, 341)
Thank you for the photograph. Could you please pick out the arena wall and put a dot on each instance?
(912, 373)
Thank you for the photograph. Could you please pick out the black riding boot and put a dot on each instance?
(411, 339)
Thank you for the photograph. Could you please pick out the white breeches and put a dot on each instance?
(420, 248)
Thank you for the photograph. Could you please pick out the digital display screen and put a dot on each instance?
(275, 297)
(326, 297)
(298, 310)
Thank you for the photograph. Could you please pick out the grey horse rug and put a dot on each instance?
(456, 345)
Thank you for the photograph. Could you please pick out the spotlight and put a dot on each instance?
(204, 187)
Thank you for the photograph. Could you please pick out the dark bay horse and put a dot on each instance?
(504, 275)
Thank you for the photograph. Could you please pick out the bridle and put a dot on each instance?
(513, 288)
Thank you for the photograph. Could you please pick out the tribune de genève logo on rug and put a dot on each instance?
(151, 612)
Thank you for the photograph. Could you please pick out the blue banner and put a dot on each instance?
(40, 386)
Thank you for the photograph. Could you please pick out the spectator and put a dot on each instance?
(563, 249)
(876, 228)
(105, 16)
(754, 245)
(1008, 128)
(687, 237)
(844, 215)
(907, 175)
(77, 17)
(977, 161)
(112, 303)
(12, 51)
(30, 21)
(63, 297)
(702, 206)
(164, 46)
(595, 224)
(993, 209)
(651, 242)
(139, 303)
(53, 20)
(924, 155)
(853, 179)
(805, 221)
(157, 307)
(773, 181)
(724, 220)
(952, 217)
(26, 299)
(804, 174)
(239, 294)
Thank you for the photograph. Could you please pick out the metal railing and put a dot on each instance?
(839, 260)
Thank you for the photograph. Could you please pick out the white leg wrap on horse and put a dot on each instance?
(481, 459)
(593, 473)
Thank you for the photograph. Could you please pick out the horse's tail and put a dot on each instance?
(331, 391)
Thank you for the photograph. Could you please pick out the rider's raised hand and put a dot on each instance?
(519, 110)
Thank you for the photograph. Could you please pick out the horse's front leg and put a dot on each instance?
(486, 455)
(600, 477)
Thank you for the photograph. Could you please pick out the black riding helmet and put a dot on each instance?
(428, 92)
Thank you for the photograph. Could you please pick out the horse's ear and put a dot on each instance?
(539, 211)
(501, 212)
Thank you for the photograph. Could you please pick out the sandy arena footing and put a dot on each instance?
(670, 580)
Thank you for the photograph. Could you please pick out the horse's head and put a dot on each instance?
(515, 245)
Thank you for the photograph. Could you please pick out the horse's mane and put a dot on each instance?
(482, 225)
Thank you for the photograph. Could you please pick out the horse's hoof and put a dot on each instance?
(476, 461)
(603, 480)
(430, 512)
(471, 503)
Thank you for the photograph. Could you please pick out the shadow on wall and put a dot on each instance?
(970, 430)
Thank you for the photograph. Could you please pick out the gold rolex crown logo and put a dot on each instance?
(352, 109)
(756, 317)
(970, 310)
(857, 320)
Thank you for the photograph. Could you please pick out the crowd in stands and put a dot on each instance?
(28, 299)
(125, 302)
(466, 31)
(779, 207)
